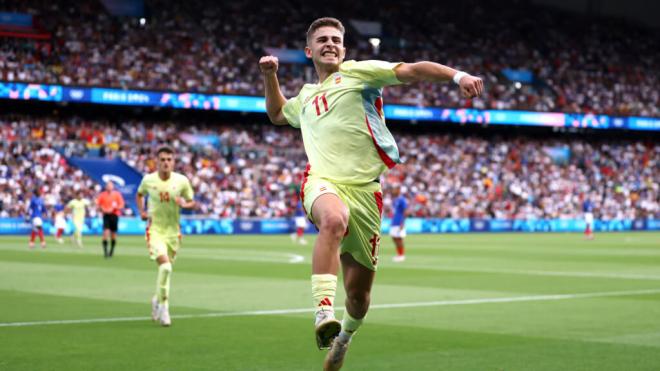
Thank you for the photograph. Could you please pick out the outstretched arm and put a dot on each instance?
(274, 98)
(470, 86)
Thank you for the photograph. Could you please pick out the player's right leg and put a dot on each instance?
(330, 215)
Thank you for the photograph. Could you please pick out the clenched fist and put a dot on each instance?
(268, 64)
(471, 86)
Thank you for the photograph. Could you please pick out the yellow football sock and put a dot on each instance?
(163, 282)
(324, 287)
(348, 326)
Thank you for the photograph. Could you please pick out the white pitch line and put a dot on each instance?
(193, 254)
(295, 258)
(438, 303)
(625, 276)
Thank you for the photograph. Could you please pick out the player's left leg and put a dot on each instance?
(358, 281)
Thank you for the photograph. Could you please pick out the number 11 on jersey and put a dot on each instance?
(316, 104)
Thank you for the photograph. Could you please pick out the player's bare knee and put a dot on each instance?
(334, 223)
(358, 301)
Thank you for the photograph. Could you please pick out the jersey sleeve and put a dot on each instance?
(187, 192)
(291, 111)
(375, 73)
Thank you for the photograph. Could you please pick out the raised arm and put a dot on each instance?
(275, 100)
(470, 86)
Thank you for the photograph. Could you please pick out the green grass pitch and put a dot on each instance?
(459, 302)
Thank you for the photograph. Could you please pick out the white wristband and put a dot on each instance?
(458, 76)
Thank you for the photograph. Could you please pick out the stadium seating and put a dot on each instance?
(580, 65)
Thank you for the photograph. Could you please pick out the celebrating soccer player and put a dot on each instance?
(167, 193)
(348, 147)
(111, 203)
(77, 207)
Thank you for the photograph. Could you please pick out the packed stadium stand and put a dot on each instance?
(255, 170)
(571, 63)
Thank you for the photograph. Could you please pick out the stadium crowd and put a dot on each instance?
(256, 170)
(578, 64)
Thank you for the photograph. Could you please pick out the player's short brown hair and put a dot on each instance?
(325, 22)
(164, 149)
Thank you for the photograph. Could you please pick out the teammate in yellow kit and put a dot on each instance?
(167, 193)
(77, 207)
(348, 147)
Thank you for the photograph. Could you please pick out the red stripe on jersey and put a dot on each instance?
(302, 186)
(379, 202)
(379, 106)
(383, 156)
